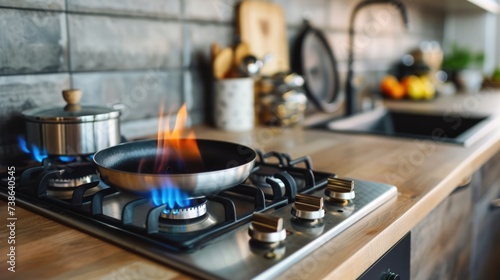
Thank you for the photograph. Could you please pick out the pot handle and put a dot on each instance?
(72, 98)
(119, 107)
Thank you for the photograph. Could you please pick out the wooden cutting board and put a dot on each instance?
(261, 25)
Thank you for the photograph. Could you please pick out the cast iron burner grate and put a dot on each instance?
(215, 245)
(35, 189)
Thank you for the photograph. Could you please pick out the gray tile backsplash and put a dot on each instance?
(18, 93)
(57, 5)
(366, 47)
(140, 93)
(197, 90)
(199, 38)
(298, 10)
(22, 92)
(110, 43)
(150, 8)
(142, 53)
(32, 42)
(212, 10)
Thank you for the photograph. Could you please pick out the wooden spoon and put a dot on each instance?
(214, 51)
(222, 63)
(240, 52)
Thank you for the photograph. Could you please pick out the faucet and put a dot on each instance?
(350, 95)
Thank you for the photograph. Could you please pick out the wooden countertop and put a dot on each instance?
(424, 172)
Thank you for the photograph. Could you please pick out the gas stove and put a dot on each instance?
(257, 229)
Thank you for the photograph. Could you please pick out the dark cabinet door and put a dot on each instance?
(393, 265)
(486, 224)
(441, 242)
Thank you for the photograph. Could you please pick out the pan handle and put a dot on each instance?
(119, 107)
(495, 204)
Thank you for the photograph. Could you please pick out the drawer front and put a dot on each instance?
(395, 262)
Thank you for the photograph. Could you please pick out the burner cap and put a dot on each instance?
(67, 193)
(69, 182)
(197, 209)
(260, 176)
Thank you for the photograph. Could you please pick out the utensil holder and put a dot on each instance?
(234, 104)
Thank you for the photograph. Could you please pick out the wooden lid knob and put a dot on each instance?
(72, 96)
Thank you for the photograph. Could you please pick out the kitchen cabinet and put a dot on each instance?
(440, 243)
(486, 223)
(393, 264)
(460, 239)
(462, 5)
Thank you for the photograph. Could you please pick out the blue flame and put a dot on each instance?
(172, 197)
(35, 152)
(67, 158)
(23, 145)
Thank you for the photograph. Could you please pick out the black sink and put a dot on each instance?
(447, 127)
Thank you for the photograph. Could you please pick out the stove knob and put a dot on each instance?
(340, 189)
(391, 276)
(308, 207)
(266, 228)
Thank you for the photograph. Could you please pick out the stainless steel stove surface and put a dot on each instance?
(258, 229)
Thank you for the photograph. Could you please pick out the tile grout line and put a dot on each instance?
(68, 45)
(169, 69)
(183, 49)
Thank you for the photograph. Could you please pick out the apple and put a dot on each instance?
(391, 87)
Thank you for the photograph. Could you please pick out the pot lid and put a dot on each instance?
(314, 60)
(72, 112)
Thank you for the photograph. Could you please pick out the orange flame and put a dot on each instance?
(172, 146)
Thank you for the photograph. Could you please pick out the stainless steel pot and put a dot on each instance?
(73, 129)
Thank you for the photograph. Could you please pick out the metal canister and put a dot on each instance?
(282, 101)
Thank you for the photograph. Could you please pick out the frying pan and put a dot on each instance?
(223, 165)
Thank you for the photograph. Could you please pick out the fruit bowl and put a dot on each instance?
(411, 87)
(407, 99)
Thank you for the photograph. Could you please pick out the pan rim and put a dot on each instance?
(100, 166)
